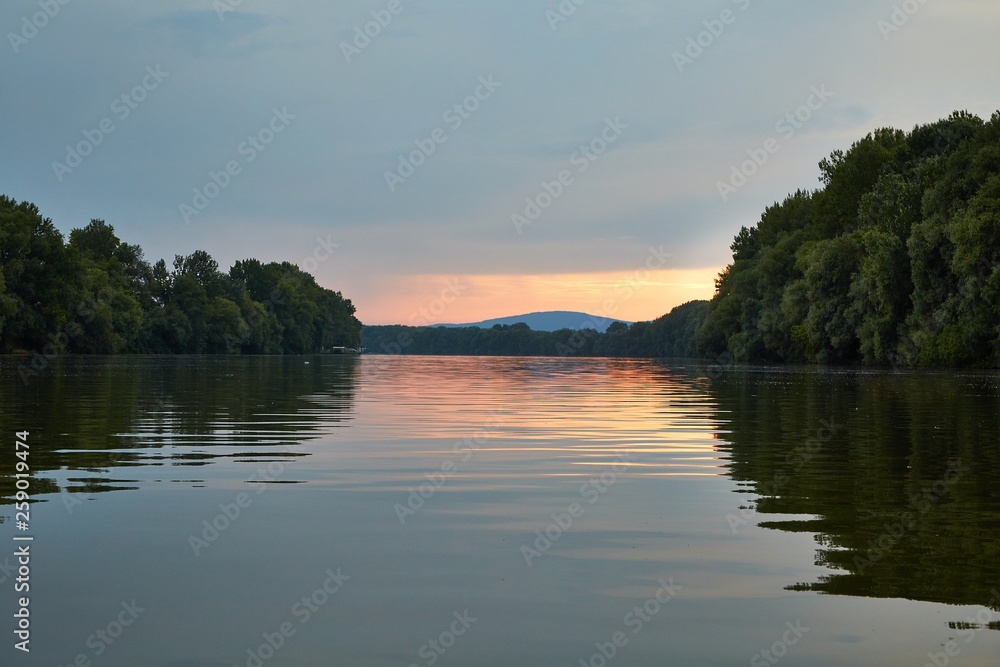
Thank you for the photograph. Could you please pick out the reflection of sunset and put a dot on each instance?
(634, 295)
(573, 418)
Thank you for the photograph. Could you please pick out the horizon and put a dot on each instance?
(589, 317)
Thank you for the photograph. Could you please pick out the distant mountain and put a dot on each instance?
(547, 321)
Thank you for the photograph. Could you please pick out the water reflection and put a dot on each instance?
(95, 414)
(839, 456)
(903, 495)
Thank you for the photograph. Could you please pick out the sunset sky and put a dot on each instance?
(503, 155)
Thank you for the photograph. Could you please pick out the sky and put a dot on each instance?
(446, 161)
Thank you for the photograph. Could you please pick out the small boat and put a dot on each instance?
(342, 350)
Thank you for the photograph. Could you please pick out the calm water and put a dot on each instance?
(197, 512)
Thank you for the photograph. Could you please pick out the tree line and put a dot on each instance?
(672, 335)
(895, 260)
(96, 294)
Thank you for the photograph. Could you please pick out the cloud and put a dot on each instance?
(326, 174)
(209, 34)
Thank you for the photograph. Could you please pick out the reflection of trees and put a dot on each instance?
(881, 524)
(94, 413)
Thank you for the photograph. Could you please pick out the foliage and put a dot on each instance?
(670, 336)
(896, 260)
(97, 294)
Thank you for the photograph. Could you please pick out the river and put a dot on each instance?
(376, 511)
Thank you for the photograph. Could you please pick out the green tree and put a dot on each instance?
(894, 257)
(38, 297)
(111, 291)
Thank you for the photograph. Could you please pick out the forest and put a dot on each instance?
(96, 294)
(893, 261)
(672, 335)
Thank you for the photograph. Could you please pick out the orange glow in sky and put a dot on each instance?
(635, 295)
